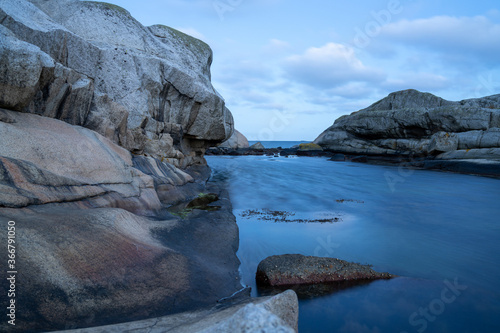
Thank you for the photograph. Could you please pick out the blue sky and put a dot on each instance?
(288, 69)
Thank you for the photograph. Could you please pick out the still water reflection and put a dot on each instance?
(440, 232)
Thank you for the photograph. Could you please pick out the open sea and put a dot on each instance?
(439, 232)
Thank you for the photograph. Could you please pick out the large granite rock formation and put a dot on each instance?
(103, 125)
(91, 64)
(420, 124)
(85, 267)
(94, 244)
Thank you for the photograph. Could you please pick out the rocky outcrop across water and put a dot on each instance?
(434, 132)
(308, 149)
(297, 269)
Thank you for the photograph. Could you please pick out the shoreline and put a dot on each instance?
(476, 167)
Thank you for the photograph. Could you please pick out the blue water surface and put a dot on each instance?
(440, 232)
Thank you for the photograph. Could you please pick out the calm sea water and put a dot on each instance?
(440, 232)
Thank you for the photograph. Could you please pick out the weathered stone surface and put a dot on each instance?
(297, 269)
(236, 141)
(479, 166)
(45, 160)
(264, 314)
(409, 99)
(86, 267)
(257, 146)
(92, 64)
(309, 146)
(479, 139)
(418, 124)
(92, 234)
(83, 86)
(442, 142)
(338, 158)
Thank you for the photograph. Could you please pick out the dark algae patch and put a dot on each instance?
(349, 200)
(279, 216)
(202, 202)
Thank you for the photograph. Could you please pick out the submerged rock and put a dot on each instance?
(297, 269)
(338, 158)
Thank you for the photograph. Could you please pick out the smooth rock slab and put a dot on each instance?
(264, 314)
(257, 146)
(236, 141)
(297, 269)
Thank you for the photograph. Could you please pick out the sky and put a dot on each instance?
(288, 69)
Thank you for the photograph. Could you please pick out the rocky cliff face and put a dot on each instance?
(103, 125)
(91, 64)
(410, 122)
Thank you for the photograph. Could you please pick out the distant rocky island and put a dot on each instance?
(411, 128)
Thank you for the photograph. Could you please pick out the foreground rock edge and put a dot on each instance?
(271, 314)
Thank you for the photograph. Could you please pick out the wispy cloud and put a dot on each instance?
(276, 46)
(419, 81)
(477, 35)
(331, 65)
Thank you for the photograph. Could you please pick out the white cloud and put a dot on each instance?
(464, 35)
(329, 66)
(276, 46)
(419, 81)
(353, 90)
